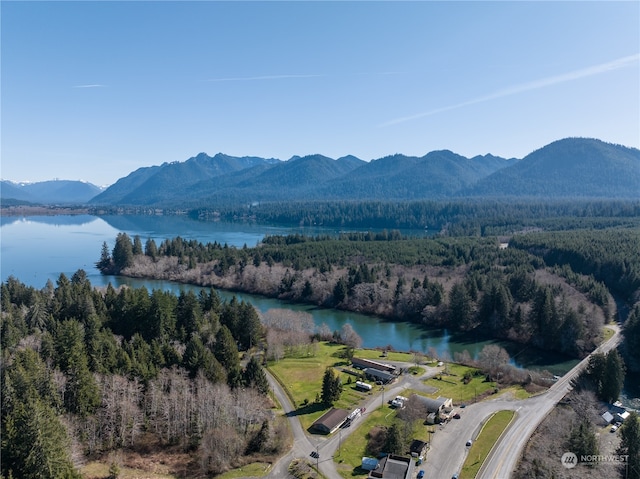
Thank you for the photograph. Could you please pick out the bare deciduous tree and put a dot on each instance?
(492, 358)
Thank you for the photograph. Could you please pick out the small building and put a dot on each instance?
(418, 448)
(393, 467)
(431, 418)
(369, 463)
(608, 417)
(618, 411)
(378, 375)
(362, 386)
(330, 421)
(621, 416)
(438, 405)
(368, 363)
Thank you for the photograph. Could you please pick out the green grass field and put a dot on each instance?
(452, 386)
(377, 355)
(302, 377)
(256, 469)
(96, 469)
(352, 449)
(484, 442)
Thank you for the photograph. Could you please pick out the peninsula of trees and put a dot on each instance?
(551, 290)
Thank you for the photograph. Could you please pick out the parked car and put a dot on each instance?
(469, 442)
(455, 476)
(456, 415)
(420, 474)
(614, 428)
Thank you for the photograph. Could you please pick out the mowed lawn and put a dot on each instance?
(302, 377)
(349, 456)
(451, 384)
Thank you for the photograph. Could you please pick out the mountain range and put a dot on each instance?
(567, 168)
(53, 192)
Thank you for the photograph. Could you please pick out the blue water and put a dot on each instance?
(38, 248)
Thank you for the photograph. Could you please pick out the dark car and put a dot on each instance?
(420, 474)
(469, 442)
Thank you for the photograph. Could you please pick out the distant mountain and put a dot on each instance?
(203, 181)
(568, 168)
(572, 167)
(160, 184)
(54, 192)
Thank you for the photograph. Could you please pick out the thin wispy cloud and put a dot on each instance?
(263, 77)
(524, 87)
(94, 85)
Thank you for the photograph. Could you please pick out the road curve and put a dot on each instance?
(504, 456)
(442, 461)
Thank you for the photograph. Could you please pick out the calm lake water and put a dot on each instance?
(38, 248)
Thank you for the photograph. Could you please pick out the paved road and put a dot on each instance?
(448, 450)
(327, 446)
(505, 455)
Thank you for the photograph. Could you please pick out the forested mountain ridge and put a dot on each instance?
(50, 192)
(576, 167)
(150, 185)
(568, 168)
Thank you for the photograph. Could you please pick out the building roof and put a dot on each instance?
(417, 446)
(382, 375)
(330, 420)
(393, 467)
(607, 416)
(368, 363)
(433, 405)
(369, 463)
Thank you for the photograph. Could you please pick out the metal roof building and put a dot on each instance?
(330, 421)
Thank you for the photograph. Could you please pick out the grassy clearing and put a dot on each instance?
(95, 470)
(518, 392)
(256, 469)
(607, 333)
(484, 442)
(353, 448)
(452, 386)
(302, 377)
(376, 355)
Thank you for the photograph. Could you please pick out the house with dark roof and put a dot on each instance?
(418, 448)
(438, 405)
(368, 363)
(330, 421)
(378, 375)
(393, 467)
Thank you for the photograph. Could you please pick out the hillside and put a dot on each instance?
(570, 168)
(50, 192)
(573, 167)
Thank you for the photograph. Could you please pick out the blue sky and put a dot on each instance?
(94, 90)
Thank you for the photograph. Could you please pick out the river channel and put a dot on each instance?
(38, 248)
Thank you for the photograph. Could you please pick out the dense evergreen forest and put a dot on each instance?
(532, 291)
(481, 217)
(87, 371)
